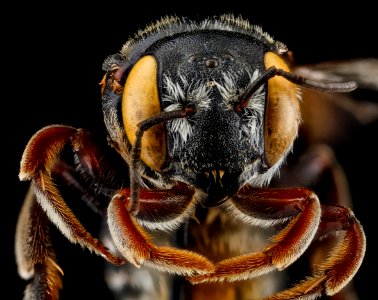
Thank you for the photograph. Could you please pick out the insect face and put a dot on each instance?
(228, 140)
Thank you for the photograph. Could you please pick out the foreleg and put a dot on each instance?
(164, 209)
(341, 264)
(299, 208)
(307, 222)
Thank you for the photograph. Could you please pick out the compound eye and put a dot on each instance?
(140, 101)
(282, 114)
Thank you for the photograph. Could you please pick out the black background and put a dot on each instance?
(52, 58)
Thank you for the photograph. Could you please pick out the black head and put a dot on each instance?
(231, 136)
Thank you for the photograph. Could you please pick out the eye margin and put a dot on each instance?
(282, 112)
(140, 102)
